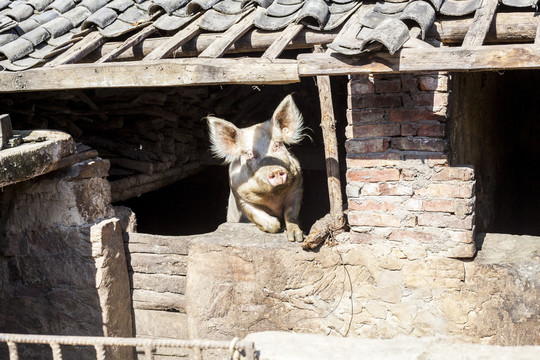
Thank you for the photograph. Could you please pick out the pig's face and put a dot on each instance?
(263, 173)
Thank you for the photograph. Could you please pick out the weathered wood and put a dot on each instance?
(130, 42)
(132, 186)
(78, 51)
(218, 47)
(174, 42)
(537, 37)
(73, 159)
(506, 27)
(483, 58)
(6, 130)
(167, 72)
(328, 125)
(253, 41)
(282, 41)
(483, 18)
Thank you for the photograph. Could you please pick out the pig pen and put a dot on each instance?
(192, 278)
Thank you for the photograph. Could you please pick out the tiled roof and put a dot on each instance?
(33, 32)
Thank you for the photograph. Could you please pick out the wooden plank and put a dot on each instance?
(78, 51)
(282, 41)
(506, 28)
(537, 36)
(166, 72)
(218, 47)
(175, 41)
(328, 125)
(483, 18)
(130, 42)
(483, 58)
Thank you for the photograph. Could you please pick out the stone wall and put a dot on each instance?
(157, 268)
(242, 281)
(400, 186)
(62, 264)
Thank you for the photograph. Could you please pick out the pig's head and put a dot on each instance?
(258, 154)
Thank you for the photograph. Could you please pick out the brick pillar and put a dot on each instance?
(400, 187)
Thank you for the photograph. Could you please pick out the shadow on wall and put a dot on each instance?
(494, 127)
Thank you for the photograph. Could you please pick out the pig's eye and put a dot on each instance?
(250, 155)
(277, 146)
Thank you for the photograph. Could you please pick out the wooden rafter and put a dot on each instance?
(220, 45)
(481, 23)
(130, 42)
(174, 42)
(282, 41)
(78, 51)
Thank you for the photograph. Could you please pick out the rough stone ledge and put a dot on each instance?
(273, 345)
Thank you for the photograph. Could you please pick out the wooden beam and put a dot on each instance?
(537, 37)
(282, 41)
(78, 51)
(505, 28)
(483, 17)
(130, 42)
(166, 72)
(218, 47)
(177, 40)
(482, 58)
(328, 125)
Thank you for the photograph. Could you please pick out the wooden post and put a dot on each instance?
(328, 125)
(6, 131)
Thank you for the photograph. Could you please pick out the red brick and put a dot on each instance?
(439, 83)
(376, 130)
(376, 101)
(415, 114)
(453, 173)
(373, 175)
(402, 235)
(445, 221)
(439, 205)
(368, 163)
(373, 219)
(356, 146)
(386, 189)
(431, 99)
(372, 205)
(387, 85)
(408, 129)
(418, 144)
(459, 191)
(409, 82)
(366, 116)
(431, 130)
(361, 86)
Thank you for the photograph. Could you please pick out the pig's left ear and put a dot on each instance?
(288, 118)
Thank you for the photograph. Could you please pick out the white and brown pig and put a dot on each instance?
(265, 178)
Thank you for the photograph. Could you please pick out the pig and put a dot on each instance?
(265, 178)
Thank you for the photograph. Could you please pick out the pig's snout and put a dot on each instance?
(277, 177)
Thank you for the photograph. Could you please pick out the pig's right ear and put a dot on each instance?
(224, 138)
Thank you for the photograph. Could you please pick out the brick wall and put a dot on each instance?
(400, 186)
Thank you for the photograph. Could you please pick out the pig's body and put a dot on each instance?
(265, 178)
